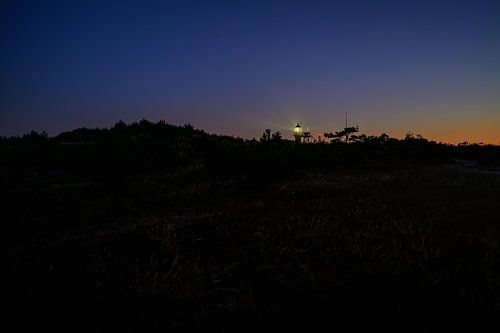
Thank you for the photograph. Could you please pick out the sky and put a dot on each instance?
(238, 67)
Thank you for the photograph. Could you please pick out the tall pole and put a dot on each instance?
(346, 120)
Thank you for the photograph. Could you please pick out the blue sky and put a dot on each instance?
(238, 67)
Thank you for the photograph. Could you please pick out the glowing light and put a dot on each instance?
(298, 129)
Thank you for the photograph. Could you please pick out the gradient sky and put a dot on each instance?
(238, 67)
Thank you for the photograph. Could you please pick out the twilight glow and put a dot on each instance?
(238, 67)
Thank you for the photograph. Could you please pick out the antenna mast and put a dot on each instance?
(346, 120)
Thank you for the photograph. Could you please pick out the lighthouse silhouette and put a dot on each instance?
(298, 133)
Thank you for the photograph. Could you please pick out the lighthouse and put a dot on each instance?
(298, 133)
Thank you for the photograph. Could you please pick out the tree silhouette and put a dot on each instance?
(269, 136)
(345, 133)
(266, 136)
(276, 136)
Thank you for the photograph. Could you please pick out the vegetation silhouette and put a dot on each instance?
(152, 227)
(345, 133)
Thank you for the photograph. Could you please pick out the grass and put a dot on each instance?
(394, 248)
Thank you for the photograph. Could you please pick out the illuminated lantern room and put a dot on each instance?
(298, 130)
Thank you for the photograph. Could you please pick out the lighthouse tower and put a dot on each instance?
(298, 133)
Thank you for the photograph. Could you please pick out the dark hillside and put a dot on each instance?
(154, 227)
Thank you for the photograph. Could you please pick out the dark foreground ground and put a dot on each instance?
(413, 244)
(397, 246)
